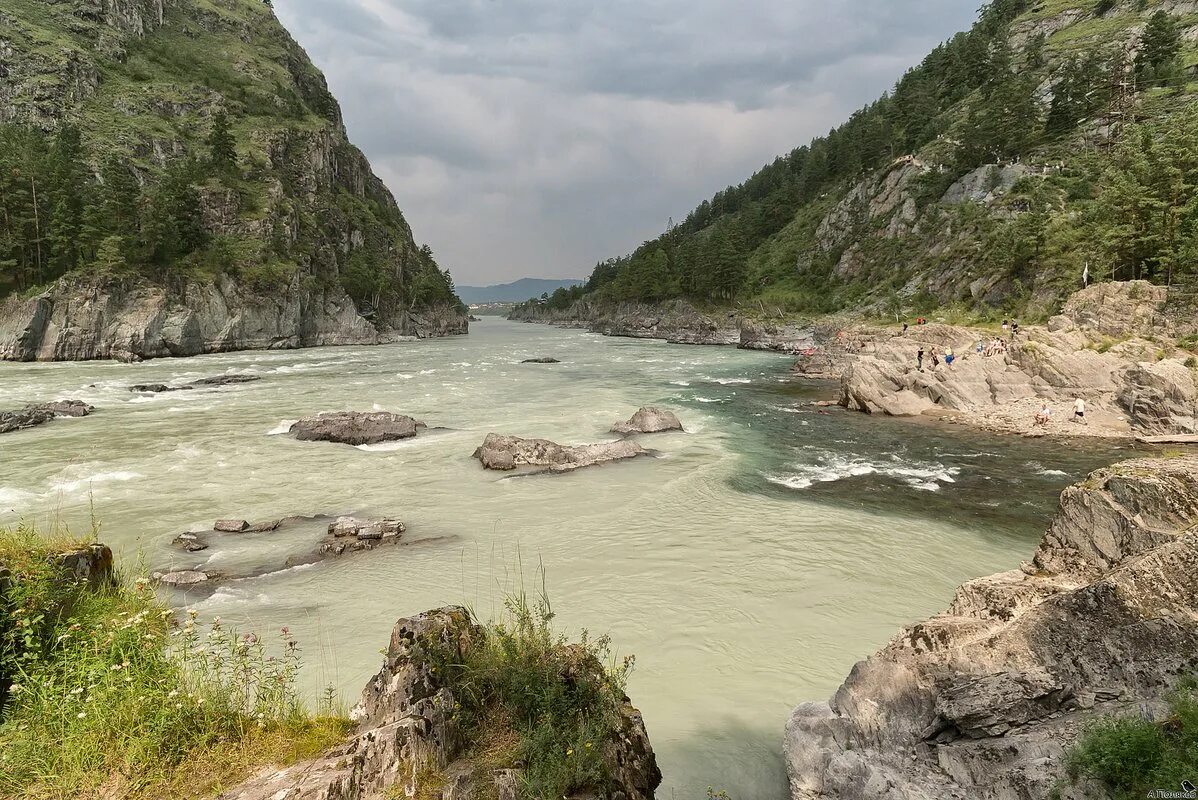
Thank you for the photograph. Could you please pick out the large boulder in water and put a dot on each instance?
(649, 420)
(356, 427)
(508, 452)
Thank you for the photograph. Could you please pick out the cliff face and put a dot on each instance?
(982, 700)
(303, 244)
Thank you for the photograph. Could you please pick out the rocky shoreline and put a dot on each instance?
(128, 320)
(983, 700)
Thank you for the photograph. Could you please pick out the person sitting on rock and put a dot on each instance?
(935, 358)
(1044, 416)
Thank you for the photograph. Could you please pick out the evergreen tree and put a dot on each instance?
(1159, 49)
(222, 147)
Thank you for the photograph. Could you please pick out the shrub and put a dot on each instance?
(111, 698)
(1132, 756)
(527, 694)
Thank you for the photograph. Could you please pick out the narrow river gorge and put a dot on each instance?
(747, 566)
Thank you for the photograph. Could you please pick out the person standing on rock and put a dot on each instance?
(1014, 329)
(905, 326)
(949, 357)
(935, 358)
(1004, 327)
(919, 358)
(1079, 411)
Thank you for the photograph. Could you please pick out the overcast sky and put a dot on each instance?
(535, 137)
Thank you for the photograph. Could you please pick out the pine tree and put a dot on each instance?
(1159, 48)
(222, 147)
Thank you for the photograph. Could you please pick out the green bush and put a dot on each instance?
(111, 698)
(529, 695)
(1132, 756)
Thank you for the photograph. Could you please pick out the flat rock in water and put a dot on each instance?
(264, 527)
(202, 383)
(540, 361)
(508, 452)
(231, 525)
(41, 413)
(356, 427)
(185, 577)
(649, 420)
(348, 534)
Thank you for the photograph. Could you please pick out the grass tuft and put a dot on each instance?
(110, 697)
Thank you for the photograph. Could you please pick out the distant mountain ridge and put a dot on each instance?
(516, 291)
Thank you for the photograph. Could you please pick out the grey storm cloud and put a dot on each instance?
(535, 137)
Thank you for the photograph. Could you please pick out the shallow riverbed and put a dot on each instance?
(748, 566)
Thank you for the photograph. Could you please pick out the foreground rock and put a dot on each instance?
(1104, 348)
(356, 427)
(983, 700)
(202, 383)
(509, 452)
(39, 414)
(408, 742)
(649, 420)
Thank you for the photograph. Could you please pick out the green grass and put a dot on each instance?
(1131, 756)
(527, 695)
(112, 698)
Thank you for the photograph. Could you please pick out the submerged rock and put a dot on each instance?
(649, 420)
(508, 452)
(40, 413)
(409, 742)
(984, 699)
(356, 427)
(183, 577)
(202, 383)
(540, 361)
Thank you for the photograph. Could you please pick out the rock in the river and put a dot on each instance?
(540, 361)
(231, 525)
(649, 420)
(183, 577)
(408, 741)
(983, 700)
(348, 534)
(191, 542)
(508, 452)
(356, 427)
(41, 413)
(202, 383)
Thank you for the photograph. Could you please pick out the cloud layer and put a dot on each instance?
(535, 137)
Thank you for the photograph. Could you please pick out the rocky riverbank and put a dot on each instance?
(83, 319)
(983, 700)
(677, 322)
(1113, 346)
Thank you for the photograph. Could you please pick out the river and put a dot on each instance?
(747, 567)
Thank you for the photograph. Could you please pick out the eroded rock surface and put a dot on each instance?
(408, 743)
(509, 452)
(649, 419)
(356, 427)
(983, 700)
(1103, 348)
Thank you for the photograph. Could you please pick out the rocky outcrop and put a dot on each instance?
(40, 413)
(409, 741)
(1104, 348)
(79, 319)
(983, 700)
(509, 452)
(648, 420)
(356, 427)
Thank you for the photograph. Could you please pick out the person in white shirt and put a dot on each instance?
(1079, 411)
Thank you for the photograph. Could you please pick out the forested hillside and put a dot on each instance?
(176, 141)
(1054, 137)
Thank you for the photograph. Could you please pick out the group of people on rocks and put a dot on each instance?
(949, 357)
(1044, 415)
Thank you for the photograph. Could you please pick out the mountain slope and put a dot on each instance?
(516, 291)
(1055, 134)
(175, 178)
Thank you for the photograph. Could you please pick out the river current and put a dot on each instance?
(747, 566)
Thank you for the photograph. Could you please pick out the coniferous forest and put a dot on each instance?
(1098, 117)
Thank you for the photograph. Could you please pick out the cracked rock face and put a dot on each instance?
(983, 700)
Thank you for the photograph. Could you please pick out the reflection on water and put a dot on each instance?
(748, 567)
